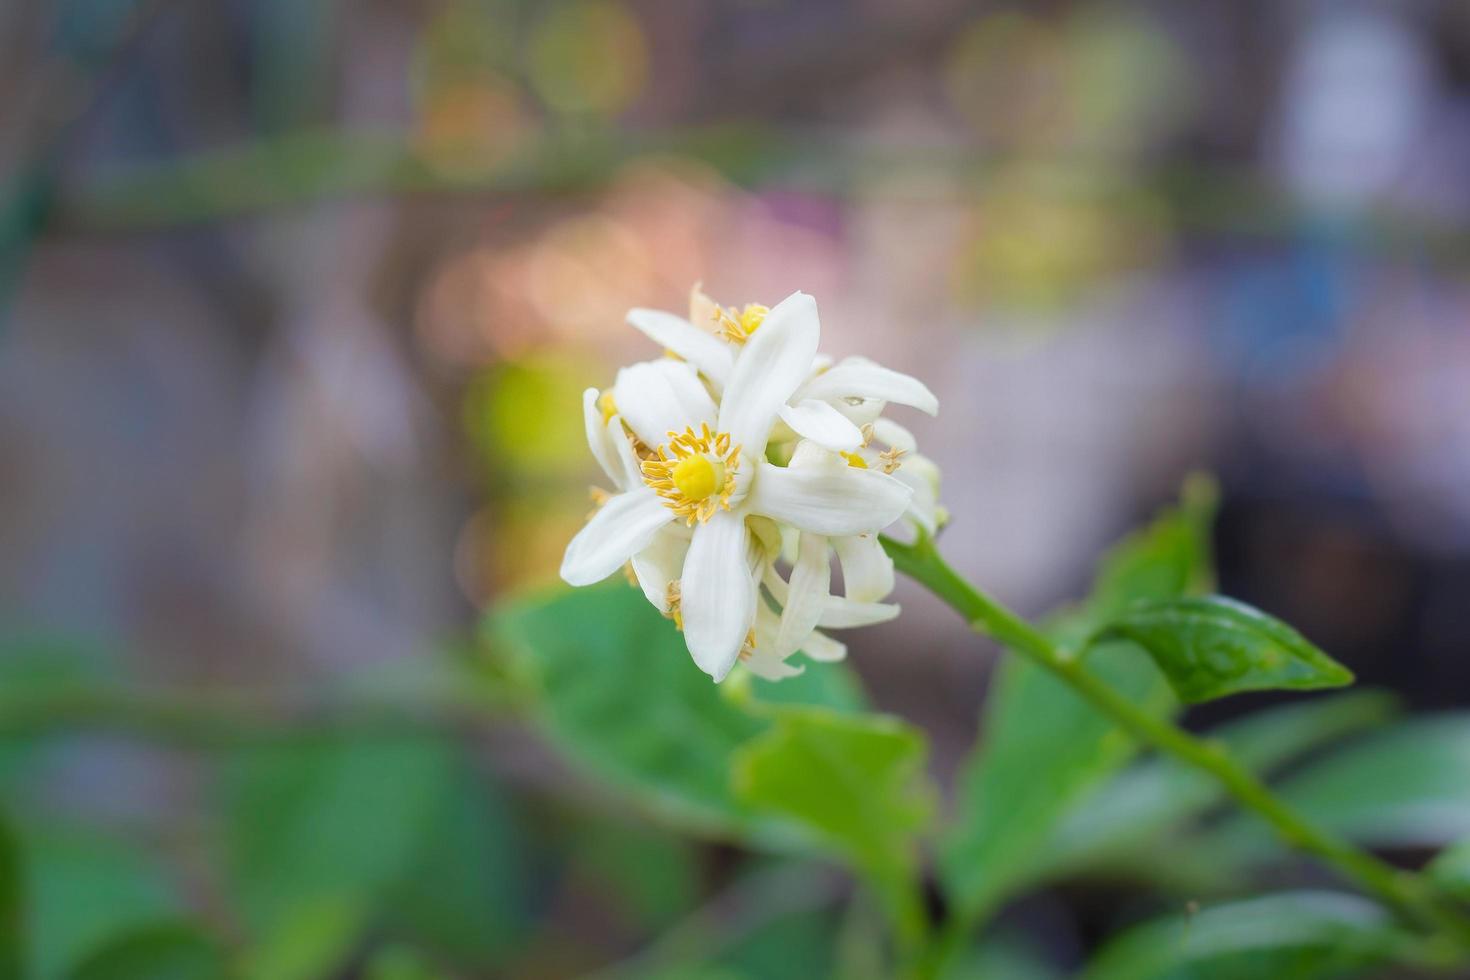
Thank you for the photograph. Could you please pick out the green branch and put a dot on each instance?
(1410, 894)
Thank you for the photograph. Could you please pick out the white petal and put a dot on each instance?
(776, 358)
(822, 424)
(659, 397)
(829, 500)
(867, 571)
(775, 584)
(661, 563)
(717, 594)
(821, 647)
(922, 475)
(811, 584)
(620, 528)
(843, 613)
(767, 660)
(860, 378)
(890, 433)
(598, 438)
(703, 349)
(771, 668)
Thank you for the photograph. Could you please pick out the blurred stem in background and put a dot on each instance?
(307, 165)
(1410, 894)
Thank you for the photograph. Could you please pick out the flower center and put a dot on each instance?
(737, 326)
(694, 473)
(697, 477)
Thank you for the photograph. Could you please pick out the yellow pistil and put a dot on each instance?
(694, 473)
(855, 461)
(737, 326)
(607, 405)
(890, 458)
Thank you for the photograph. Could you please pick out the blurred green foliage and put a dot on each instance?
(368, 837)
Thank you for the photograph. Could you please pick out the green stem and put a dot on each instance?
(1402, 890)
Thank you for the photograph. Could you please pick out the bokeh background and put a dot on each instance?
(297, 300)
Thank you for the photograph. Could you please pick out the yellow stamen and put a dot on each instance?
(672, 597)
(737, 326)
(867, 431)
(855, 461)
(599, 497)
(890, 458)
(694, 473)
(607, 405)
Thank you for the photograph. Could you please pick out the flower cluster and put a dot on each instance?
(742, 453)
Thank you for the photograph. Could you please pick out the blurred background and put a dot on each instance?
(297, 301)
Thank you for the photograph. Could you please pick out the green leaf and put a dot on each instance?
(85, 890)
(1451, 870)
(793, 946)
(401, 963)
(1043, 748)
(827, 685)
(856, 780)
(651, 877)
(165, 951)
(1169, 558)
(465, 893)
(311, 942)
(618, 694)
(1129, 816)
(1002, 957)
(1213, 647)
(1292, 936)
(1405, 786)
(318, 828)
(12, 906)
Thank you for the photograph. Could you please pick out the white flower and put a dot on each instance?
(703, 465)
(832, 404)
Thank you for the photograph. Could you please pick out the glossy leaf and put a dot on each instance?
(167, 951)
(618, 694)
(1213, 647)
(856, 781)
(1292, 936)
(1042, 748)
